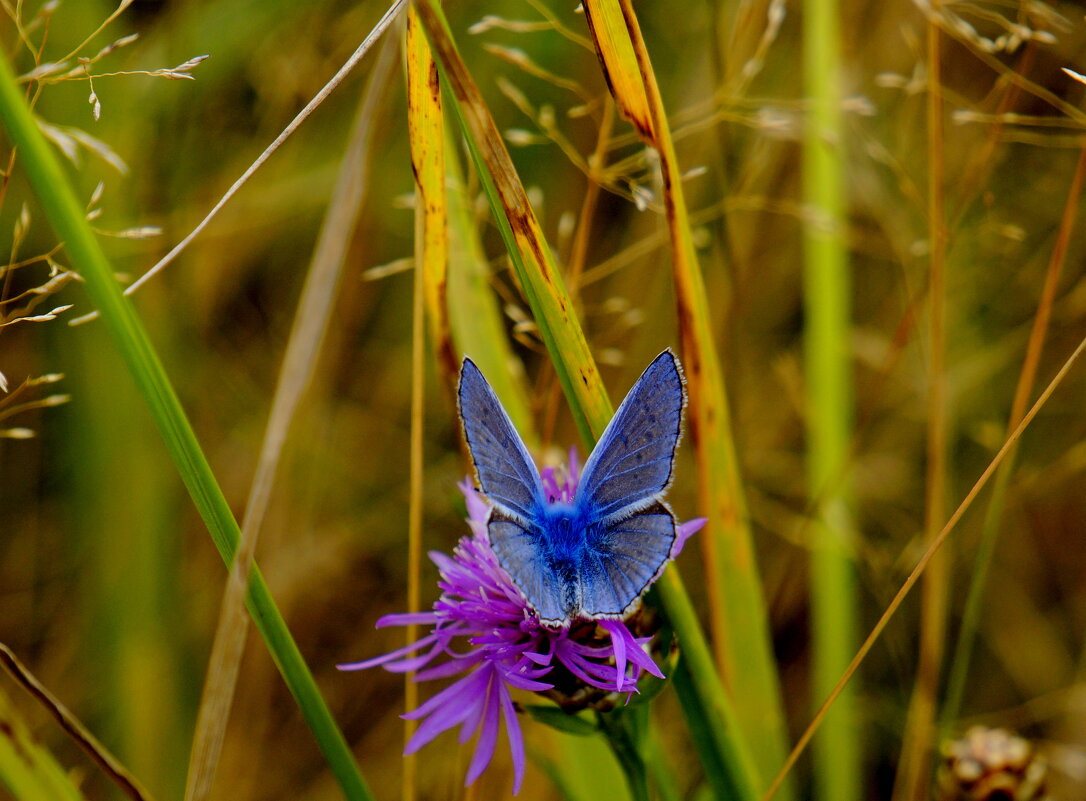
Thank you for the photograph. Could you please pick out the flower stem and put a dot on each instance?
(624, 730)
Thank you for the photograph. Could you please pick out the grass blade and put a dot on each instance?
(827, 356)
(426, 134)
(562, 334)
(474, 316)
(619, 64)
(67, 218)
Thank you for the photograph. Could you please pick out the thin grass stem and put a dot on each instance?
(27, 769)
(75, 729)
(993, 518)
(333, 83)
(918, 571)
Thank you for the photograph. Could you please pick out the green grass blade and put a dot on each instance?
(475, 317)
(120, 319)
(827, 360)
(711, 717)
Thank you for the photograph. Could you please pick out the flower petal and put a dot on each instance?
(445, 716)
(392, 656)
(516, 739)
(488, 732)
(407, 619)
(683, 533)
(459, 692)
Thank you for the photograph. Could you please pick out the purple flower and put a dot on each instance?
(483, 630)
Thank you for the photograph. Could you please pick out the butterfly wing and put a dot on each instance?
(630, 530)
(631, 464)
(623, 558)
(520, 552)
(509, 479)
(505, 470)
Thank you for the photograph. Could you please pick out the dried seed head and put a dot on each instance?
(990, 765)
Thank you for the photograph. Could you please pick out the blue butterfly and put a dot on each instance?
(592, 558)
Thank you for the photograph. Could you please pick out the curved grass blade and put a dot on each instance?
(562, 334)
(67, 218)
(740, 624)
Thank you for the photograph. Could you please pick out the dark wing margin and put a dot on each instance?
(519, 550)
(503, 466)
(632, 462)
(624, 558)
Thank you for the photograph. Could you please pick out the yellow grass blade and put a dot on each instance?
(619, 63)
(738, 615)
(426, 133)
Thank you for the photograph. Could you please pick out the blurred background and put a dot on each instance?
(109, 584)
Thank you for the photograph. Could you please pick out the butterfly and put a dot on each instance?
(592, 558)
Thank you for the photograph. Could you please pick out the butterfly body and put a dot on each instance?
(595, 556)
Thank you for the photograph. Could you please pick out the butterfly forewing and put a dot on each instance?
(631, 463)
(506, 473)
(630, 554)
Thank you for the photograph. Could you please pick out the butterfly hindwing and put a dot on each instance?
(631, 464)
(506, 473)
(623, 558)
(521, 552)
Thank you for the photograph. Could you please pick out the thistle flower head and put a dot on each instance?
(483, 631)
